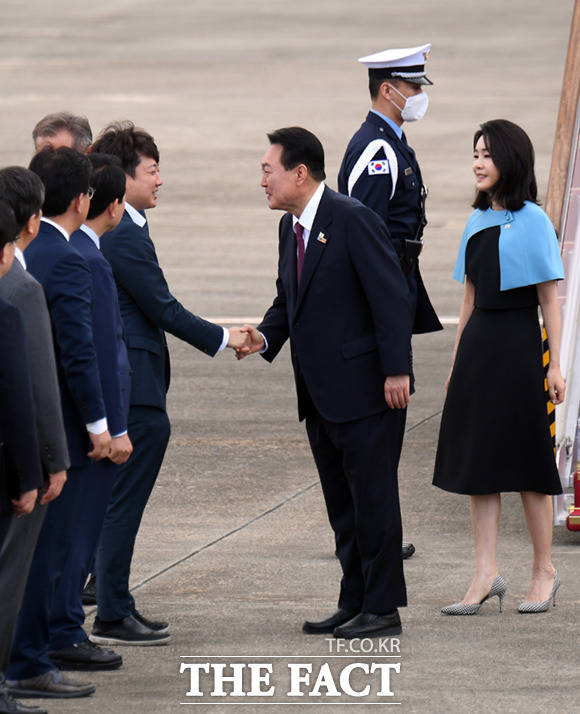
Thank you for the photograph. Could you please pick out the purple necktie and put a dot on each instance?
(300, 243)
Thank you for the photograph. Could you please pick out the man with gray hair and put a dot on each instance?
(63, 129)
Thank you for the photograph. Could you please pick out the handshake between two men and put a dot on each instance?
(247, 340)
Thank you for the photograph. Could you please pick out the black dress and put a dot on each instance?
(494, 434)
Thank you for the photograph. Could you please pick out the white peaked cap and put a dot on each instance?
(407, 63)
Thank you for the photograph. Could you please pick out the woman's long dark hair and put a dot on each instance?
(513, 154)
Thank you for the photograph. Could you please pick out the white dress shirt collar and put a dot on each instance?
(135, 216)
(92, 235)
(57, 226)
(307, 216)
(19, 255)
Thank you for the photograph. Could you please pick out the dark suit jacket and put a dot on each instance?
(66, 280)
(23, 291)
(148, 309)
(19, 458)
(107, 334)
(400, 212)
(350, 322)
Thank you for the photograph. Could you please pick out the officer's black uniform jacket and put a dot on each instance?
(399, 208)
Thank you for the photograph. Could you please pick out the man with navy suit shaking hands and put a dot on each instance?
(343, 301)
(148, 310)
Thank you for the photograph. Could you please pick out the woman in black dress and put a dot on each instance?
(494, 433)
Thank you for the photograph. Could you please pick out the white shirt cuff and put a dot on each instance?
(97, 427)
(225, 340)
(116, 436)
(265, 347)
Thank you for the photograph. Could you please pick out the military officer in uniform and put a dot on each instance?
(380, 169)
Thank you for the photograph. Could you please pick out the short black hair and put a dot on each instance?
(108, 182)
(78, 127)
(128, 143)
(8, 231)
(512, 153)
(65, 174)
(377, 77)
(300, 146)
(24, 191)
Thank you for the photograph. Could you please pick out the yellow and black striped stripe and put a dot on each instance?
(550, 407)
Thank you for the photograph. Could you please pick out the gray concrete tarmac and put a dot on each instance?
(235, 549)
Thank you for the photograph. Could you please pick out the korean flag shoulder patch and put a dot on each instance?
(378, 166)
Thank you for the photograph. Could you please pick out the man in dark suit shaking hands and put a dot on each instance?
(148, 310)
(343, 302)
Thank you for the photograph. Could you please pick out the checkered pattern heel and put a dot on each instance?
(498, 588)
(533, 607)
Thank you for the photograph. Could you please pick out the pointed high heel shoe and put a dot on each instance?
(498, 588)
(533, 607)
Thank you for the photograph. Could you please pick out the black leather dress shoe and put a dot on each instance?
(90, 592)
(366, 624)
(50, 685)
(407, 550)
(8, 705)
(157, 625)
(128, 631)
(323, 627)
(87, 656)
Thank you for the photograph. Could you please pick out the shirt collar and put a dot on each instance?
(92, 235)
(307, 216)
(19, 255)
(135, 216)
(57, 226)
(394, 126)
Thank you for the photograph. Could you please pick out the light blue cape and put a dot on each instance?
(528, 248)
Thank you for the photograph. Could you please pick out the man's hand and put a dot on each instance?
(238, 338)
(53, 486)
(24, 504)
(255, 342)
(397, 391)
(121, 449)
(101, 445)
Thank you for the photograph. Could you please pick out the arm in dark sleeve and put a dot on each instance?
(106, 344)
(17, 416)
(49, 421)
(132, 256)
(69, 298)
(374, 192)
(274, 326)
(385, 286)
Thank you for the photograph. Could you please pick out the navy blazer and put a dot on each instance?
(20, 469)
(350, 322)
(66, 280)
(401, 211)
(148, 309)
(107, 334)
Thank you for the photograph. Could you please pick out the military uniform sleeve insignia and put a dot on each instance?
(378, 167)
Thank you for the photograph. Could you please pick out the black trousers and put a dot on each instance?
(357, 463)
(149, 432)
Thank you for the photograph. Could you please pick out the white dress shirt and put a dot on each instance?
(19, 255)
(306, 218)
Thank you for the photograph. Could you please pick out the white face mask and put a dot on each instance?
(415, 105)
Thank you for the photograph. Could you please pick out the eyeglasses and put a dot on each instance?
(90, 192)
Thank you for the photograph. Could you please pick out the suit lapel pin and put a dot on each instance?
(321, 237)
